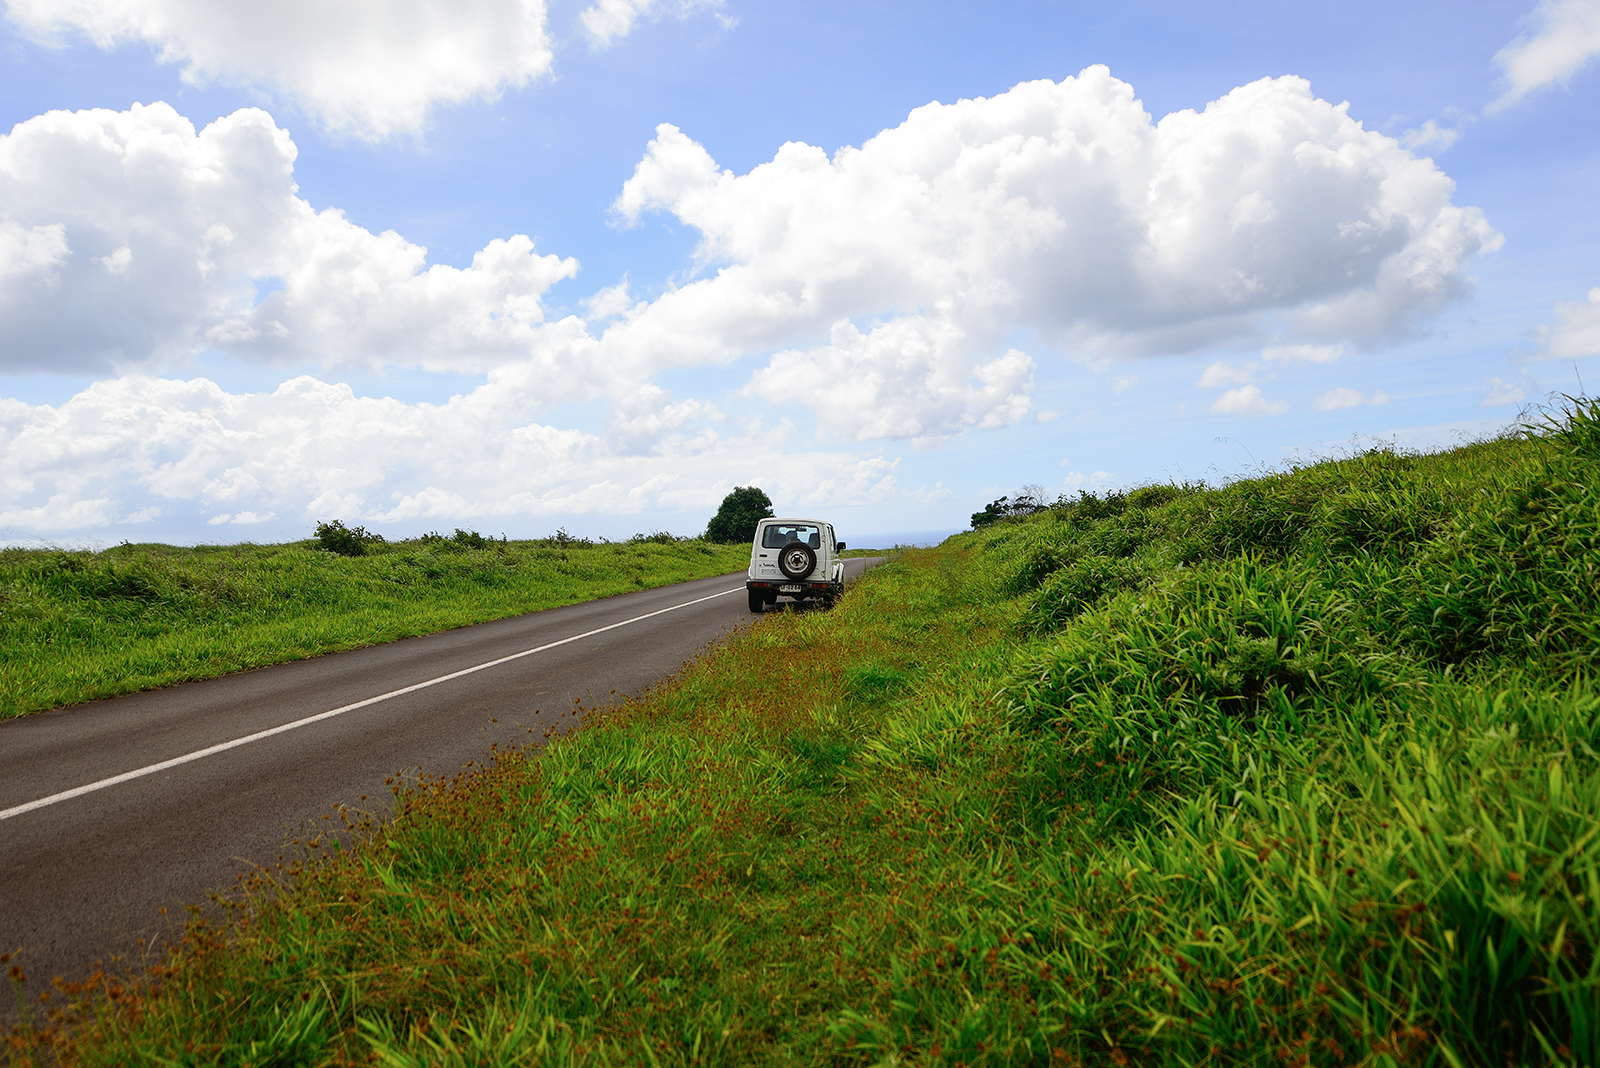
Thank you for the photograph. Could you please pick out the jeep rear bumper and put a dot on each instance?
(777, 586)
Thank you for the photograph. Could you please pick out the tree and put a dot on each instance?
(736, 520)
(992, 512)
(1027, 502)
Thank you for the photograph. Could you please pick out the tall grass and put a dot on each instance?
(76, 626)
(1302, 770)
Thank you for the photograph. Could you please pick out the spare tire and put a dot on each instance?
(797, 560)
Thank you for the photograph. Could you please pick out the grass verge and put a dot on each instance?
(1302, 770)
(77, 626)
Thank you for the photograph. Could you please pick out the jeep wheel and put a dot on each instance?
(797, 560)
(757, 602)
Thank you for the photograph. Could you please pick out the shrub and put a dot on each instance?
(659, 537)
(335, 537)
(1090, 508)
(1148, 497)
(562, 540)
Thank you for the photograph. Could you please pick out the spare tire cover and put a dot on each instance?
(797, 559)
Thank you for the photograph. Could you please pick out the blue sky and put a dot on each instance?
(227, 332)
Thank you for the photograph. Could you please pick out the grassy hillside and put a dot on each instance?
(1302, 770)
(76, 626)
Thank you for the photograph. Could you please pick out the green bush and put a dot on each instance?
(335, 537)
(659, 537)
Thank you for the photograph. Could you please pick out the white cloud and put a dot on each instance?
(608, 21)
(1577, 329)
(890, 280)
(31, 254)
(1060, 207)
(1078, 480)
(137, 446)
(1430, 135)
(1303, 353)
(1565, 37)
(1063, 208)
(610, 302)
(1335, 399)
(1247, 400)
(130, 238)
(1502, 392)
(1339, 398)
(648, 421)
(369, 68)
(1222, 373)
(910, 378)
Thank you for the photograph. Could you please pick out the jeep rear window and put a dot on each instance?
(780, 534)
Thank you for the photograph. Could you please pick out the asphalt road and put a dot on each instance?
(86, 865)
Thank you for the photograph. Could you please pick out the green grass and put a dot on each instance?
(1298, 771)
(76, 626)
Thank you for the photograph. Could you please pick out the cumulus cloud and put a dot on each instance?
(905, 379)
(884, 289)
(140, 447)
(1064, 208)
(607, 21)
(1057, 207)
(1343, 397)
(32, 253)
(1565, 37)
(1247, 400)
(1577, 329)
(129, 237)
(610, 302)
(370, 68)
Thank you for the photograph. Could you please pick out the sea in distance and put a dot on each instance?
(917, 539)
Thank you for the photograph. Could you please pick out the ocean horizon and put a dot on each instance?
(917, 539)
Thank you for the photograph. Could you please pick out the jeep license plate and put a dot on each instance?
(788, 589)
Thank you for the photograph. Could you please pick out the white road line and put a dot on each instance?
(79, 791)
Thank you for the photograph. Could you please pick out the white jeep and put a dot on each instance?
(796, 558)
